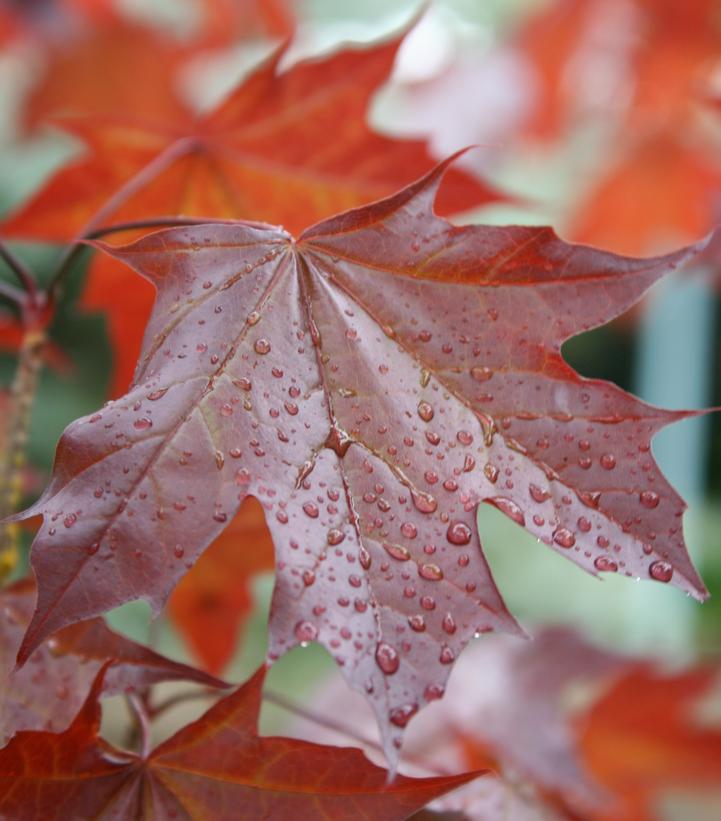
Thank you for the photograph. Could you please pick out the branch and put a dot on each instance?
(12, 456)
(143, 723)
(27, 280)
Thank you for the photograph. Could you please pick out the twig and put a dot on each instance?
(353, 735)
(143, 723)
(12, 456)
(13, 294)
(77, 247)
(131, 187)
(26, 279)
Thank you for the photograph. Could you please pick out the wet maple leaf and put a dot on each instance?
(210, 605)
(46, 693)
(369, 384)
(214, 768)
(263, 154)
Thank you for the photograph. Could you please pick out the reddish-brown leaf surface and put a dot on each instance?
(263, 154)
(369, 384)
(210, 605)
(48, 691)
(215, 768)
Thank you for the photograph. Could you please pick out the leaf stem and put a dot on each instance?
(143, 723)
(15, 434)
(337, 727)
(131, 187)
(13, 294)
(26, 279)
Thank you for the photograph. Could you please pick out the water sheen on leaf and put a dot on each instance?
(369, 384)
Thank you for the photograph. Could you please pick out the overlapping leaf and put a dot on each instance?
(215, 768)
(369, 384)
(48, 691)
(263, 154)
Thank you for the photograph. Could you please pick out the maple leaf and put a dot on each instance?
(369, 384)
(214, 768)
(262, 154)
(47, 692)
(210, 605)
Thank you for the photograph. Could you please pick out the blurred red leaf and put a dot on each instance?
(47, 692)
(325, 377)
(215, 768)
(210, 605)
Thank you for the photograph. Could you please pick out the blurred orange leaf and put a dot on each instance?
(209, 606)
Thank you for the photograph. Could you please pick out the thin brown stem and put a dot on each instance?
(142, 721)
(14, 440)
(13, 294)
(131, 187)
(180, 698)
(26, 279)
(78, 247)
(341, 729)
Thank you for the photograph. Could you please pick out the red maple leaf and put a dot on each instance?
(215, 768)
(369, 383)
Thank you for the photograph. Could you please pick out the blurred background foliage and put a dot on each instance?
(468, 73)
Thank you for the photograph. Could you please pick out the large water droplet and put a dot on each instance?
(400, 716)
(306, 631)
(661, 571)
(564, 538)
(447, 656)
(608, 461)
(458, 533)
(262, 346)
(538, 494)
(387, 658)
(430, 572)
(649, 499)
(424, 502)
(606, 565)
(409, 530)
(425, 411)
(481, 374)
(143, 423)
(310, 510)
(335, 536)
(509, 507)
(449, 624)
(417, 623)
(397, 552)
